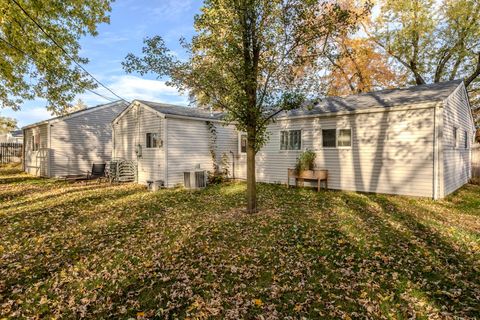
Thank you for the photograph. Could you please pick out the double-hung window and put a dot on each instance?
(290, 140)
(337, 138)
(152, 140)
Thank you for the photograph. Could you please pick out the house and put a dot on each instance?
(15, 136)
(70, 144)
(411, 141)
(167, 141)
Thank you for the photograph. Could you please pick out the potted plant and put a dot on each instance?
(305, 164)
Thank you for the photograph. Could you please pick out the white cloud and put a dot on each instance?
(131, 87)
(171, 9)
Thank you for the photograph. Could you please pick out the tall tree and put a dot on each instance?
(435, 41)
(31, 65)
(77, 106)
(356, 66)
(251, 58)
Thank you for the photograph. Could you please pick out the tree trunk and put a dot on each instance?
(251, 178)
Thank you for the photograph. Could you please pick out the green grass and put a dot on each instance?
(95, 250)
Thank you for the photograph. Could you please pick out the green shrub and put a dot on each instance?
(306, 161)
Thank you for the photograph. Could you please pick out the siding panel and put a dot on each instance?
(392, 152)
(129, 131)
(80, 141)
(456, 159)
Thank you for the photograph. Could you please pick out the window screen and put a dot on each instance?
(152, 140)
(345, 137)
(291, 140)
(329, 138)
(466, 140)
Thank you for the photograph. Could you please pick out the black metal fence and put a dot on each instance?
(10, 152)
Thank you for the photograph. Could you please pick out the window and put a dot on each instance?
(455, 137)
(465, 142)
(291, 140)
(243, 143)
(35, 142)
(329, 138)
(337, 138)
(153, 140)
(345, 137)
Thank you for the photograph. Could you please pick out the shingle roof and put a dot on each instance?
(16, 133)
(383, 98)
(170, 109)
(75, 113)
(377, 99)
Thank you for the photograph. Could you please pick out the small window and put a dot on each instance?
(345, 137)
(329, 138)
(152, 140)
(35, 142)
(455, 137)
(291, 140)
(465, 142)
(243, 143)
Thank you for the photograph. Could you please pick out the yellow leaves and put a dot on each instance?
(140, 315)
(258, 302)
(298, 308)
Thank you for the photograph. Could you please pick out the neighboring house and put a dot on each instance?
(166, 140)
(12, 137)
(70, 144)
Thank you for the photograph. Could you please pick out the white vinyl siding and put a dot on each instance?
(391, 152)
(130, 132)
(456, 158)
(79, 141)
(188, 148)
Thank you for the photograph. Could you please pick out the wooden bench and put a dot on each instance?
(318, 175)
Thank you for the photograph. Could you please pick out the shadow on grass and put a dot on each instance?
(177, 253)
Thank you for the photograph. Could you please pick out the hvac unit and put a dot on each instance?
(195, 179)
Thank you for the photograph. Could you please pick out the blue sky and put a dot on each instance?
(130, 22)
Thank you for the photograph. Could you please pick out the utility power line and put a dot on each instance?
(63, 50)
(32, 58)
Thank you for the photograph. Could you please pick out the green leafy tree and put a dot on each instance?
(7, 124)
(31, 65)
(435, 41)
(250, 58)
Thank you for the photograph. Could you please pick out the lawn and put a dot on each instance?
(97, 251)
